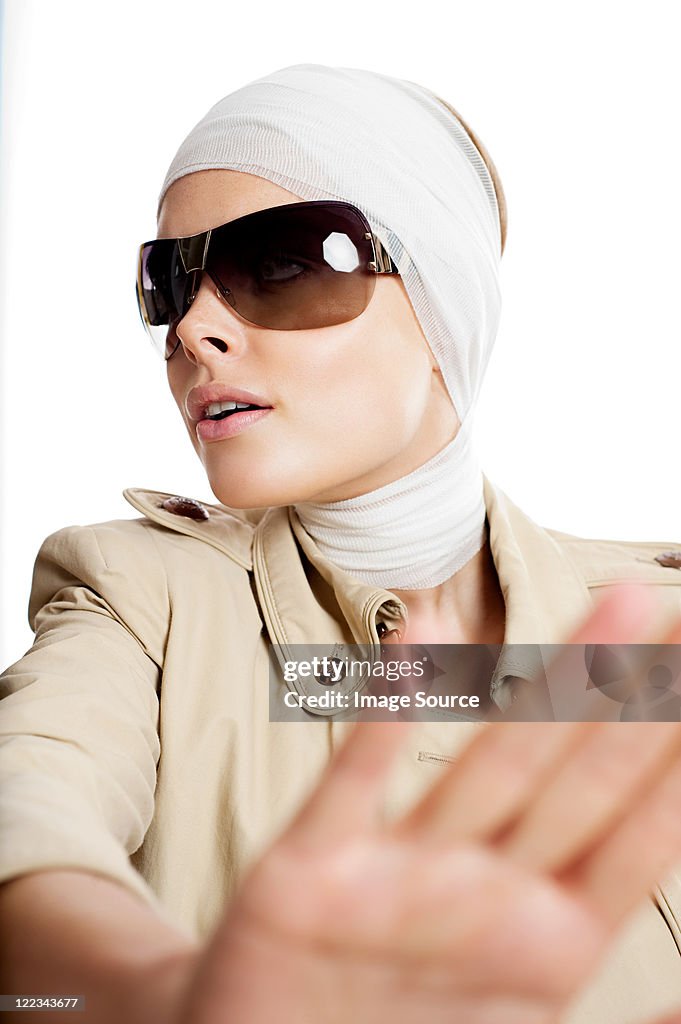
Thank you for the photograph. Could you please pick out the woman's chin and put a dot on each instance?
(263, 483)
(255, 497)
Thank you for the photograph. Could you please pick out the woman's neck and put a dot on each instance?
(416, 532)
(468, 608)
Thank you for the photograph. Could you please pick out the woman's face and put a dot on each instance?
(354, 406)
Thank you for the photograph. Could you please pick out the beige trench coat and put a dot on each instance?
(141, 743)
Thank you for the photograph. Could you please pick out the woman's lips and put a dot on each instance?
(200, 398)
(230, 426)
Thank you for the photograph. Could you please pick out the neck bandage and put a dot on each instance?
(394, 151)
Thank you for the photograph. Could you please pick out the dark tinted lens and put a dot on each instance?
(295, 267)
(165, 289)
(156, 281)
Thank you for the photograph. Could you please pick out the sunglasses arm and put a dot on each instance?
(382, 263)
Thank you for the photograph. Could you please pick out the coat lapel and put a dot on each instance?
(544, 593)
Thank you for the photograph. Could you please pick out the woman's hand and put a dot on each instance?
(492, 901)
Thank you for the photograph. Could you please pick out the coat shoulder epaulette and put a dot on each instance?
(228, 530)
(612, 561)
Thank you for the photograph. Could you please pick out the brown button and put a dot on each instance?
(672, 559)
(189, 507)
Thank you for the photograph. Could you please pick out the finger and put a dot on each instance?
(624, 614)
(347, 799)
(618, 871)
(607, 775)
(499, 773)
(610, 771)
(623, 868)
(492, 782)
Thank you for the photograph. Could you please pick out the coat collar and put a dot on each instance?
(264, 542)
(545, 594)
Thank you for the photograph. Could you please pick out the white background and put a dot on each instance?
(578, 105)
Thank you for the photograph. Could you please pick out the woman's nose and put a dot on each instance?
(208, 324)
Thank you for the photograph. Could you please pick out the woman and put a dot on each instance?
(173, 853)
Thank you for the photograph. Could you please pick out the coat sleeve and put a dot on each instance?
(79, 711)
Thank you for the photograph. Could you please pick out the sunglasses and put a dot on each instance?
(289, 268)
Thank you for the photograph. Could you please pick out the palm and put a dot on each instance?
(379, 916)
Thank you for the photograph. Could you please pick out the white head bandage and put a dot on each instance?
(393, 150)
